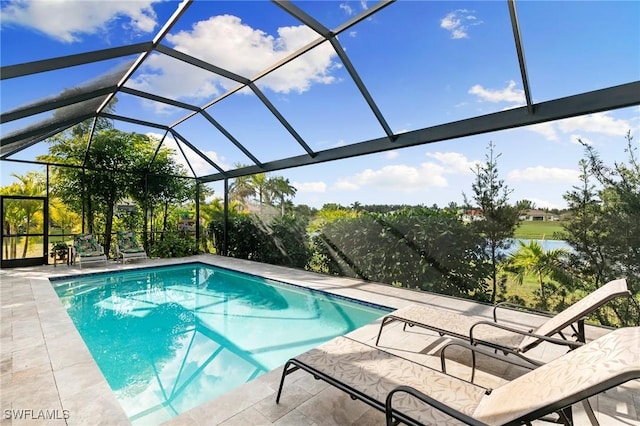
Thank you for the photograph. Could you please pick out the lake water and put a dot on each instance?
(546, 245)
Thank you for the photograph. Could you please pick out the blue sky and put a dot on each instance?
(424, 63)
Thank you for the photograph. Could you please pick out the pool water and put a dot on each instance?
(168, 339)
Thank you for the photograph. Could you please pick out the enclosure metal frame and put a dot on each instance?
(606, 99)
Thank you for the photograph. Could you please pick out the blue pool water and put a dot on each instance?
(170, 338)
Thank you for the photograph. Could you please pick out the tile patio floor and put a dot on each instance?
(45, 365)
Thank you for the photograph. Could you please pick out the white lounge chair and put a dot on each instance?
(496, 334)
(418, 395)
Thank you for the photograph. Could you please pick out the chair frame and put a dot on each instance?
(561, 406)
(576, 324)
(293, 365)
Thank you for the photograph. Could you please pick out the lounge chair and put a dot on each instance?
(87, 249)
(415, 394)
(128, 247)
(509, 339)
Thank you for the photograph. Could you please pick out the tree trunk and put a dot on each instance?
(543, 296)
(26, 240)
(7, 241)
(89, 215)
(164, 219)
(145, 234)
(494, 277)
(13, 244)
(108, 226)
(152, 226)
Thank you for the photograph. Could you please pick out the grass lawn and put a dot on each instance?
(529, 285)
(538, 230)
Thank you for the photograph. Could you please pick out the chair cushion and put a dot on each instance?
(454, 324)
(376, 373)
(607, 361)
(86, 245)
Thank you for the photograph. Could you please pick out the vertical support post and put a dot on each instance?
(145, 219)
(198, 216)
(45, 228)
(84, 197)
(4, 255)
(45, 225)
(225, 239)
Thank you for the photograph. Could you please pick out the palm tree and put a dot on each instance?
(241, 188)
(12, 218)
(62, 216)
(33, 184)
(281, 188)
(260, 183)
(531, 259)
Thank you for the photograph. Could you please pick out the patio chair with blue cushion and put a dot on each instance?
(128, 248)
(507, 338)
(87, 249)
(414, 394)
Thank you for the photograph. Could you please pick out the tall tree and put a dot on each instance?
(586, 231)
(115, 165)
(63, 217)
(500, 219)
(158, 183)
(260, 183)
(241, 188)
(605, 228)
(281, 188)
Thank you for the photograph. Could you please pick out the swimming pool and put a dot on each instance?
(170, 338)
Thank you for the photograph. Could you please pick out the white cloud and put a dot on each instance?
(508, 94)
(577, 138)
(347, 9)
(401, 178)
(68, 20)
(454, 162)
(545, 204)
(407, 179)
(310, 187)
(345, 185)
(547, 130)
(242, 50)
(390, 155)
(599, 123)
(541, 174)
(458, 23)
(200, 166)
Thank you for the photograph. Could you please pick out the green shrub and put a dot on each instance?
(281, 242)
(174, 244)
(416, 248)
